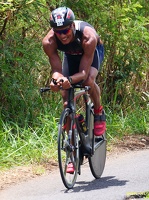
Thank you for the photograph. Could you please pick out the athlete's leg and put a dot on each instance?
(99, 118)
(66, 72)
(95, 90)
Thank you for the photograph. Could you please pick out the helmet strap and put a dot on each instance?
(73, 29)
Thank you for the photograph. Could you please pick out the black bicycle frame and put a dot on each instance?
(72, 97)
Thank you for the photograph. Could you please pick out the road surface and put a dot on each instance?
(124, 173)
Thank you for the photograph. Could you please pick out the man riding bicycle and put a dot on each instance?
(83, 54)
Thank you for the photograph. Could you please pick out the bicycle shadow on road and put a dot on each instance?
(97, 184)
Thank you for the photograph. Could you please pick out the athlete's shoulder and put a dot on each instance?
(49, 43)
(80, 25)
(49, 39)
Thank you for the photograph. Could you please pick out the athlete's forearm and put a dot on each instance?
(56, 64)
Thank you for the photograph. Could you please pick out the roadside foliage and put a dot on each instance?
(27, 119)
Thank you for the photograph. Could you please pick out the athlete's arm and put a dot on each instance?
(50, 48)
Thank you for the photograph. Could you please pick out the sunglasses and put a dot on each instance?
(64, 31)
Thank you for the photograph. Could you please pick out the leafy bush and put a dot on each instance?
(28, 122)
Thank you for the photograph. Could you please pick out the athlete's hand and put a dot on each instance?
(54, 86)
(64, 83)
(60, 83)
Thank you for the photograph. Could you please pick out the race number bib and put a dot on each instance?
(59, 20)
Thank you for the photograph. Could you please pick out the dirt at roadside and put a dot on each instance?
(24, 173)
(128, 143)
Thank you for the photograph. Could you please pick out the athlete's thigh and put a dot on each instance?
(71, 64)
(96, 60)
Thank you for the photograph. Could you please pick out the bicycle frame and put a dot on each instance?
(72, 98)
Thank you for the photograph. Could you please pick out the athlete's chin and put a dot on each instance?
(65, 41)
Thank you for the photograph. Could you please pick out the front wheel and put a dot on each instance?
(68, 148)
(97, 161)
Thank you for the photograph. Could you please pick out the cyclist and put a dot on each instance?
(83, 54)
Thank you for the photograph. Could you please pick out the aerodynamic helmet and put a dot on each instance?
(61, 17)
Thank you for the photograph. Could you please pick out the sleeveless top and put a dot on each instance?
(75, 47)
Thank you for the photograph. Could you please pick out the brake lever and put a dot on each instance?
(42, 90)
(61, 80)
(54, 81)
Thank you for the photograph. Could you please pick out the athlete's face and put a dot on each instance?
(65, 35)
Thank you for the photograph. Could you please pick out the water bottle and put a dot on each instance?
(82, 123)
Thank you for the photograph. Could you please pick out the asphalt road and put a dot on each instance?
(124, 173)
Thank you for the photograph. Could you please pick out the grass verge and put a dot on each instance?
(141, 195)
(38, 144)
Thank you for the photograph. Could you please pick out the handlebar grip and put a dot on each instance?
(62, 80)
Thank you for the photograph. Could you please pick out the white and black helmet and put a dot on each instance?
(61, 17)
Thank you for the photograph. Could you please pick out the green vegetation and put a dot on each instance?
(141, 195)
(28, 122)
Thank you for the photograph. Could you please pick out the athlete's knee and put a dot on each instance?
(65, 104)
(90, 80)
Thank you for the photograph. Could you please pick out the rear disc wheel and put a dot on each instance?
(97, 161)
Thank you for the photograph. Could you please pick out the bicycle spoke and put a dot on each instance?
(66, 153)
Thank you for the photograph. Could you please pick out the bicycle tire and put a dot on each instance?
(98, 159)
(67, 152)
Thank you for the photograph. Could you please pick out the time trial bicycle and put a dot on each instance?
(74, 144)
